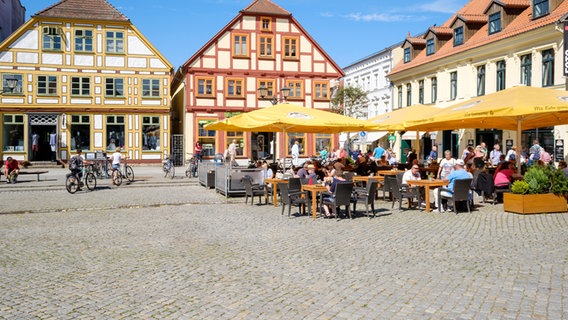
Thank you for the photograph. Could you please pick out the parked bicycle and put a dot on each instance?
(192, 165)
(73, 182)
(168, 167)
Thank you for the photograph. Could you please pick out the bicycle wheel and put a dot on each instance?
(129, 174)
(116, 178)
(90, 181)
(71, 183)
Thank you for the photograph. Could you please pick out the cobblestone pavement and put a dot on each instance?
(174, 250)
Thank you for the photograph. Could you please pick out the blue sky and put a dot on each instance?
(346, 30)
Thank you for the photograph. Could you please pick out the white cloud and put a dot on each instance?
(381, 17)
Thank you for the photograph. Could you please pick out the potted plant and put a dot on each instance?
(543, 190)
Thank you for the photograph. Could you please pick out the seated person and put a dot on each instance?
(303, 171)
(383, 162)
(330, 186)
(11, 170)
(562, 165)
(504, 175)
(413, 174)
(362, 167)
(312, 173)
(458, 173)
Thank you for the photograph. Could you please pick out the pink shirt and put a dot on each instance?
(503, 177)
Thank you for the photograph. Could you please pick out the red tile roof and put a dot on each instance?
(521, 24)
(83, 9)
(265, 7)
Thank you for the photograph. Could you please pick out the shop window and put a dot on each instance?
(13, 132)
(207, 138)
(323, 141)
(115, 132)
(115, 42)
(47, 85)
(151, 133)
(114, 87)
(292, 138)
(80, 132)
(239, 137)
(83, 40)
(151, 88)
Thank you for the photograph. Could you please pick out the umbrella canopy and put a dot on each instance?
(290, 118)
(516, 108)
(396, 120)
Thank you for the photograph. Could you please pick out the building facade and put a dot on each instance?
(12, 16)
(262, 47)
(79, 75)
(487, 46)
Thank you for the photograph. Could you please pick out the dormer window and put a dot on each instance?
(430, 49)
(406, 55)
(458, 36)
(540, 8)
(494, 22)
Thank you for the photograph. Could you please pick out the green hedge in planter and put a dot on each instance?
(540, 180)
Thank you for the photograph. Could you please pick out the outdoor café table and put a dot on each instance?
(388, 172)
(274, 182)
(314, 189)
(427, 184)
(365, 179)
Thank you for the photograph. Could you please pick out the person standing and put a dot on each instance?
(378, 152)
(433, 156)
(197, 150)
(495, 155)
(296, 154)
(232, 152)
(53, 145)
(35, 145)
(446, 165)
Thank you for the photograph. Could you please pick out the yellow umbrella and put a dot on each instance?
(517, 108)
(289, 117)
(396, 120)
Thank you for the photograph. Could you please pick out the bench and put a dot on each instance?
(27, 172)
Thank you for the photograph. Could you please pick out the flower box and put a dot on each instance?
(534, 203)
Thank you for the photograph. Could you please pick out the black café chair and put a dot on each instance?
(366, 196)
(341, 197)
(403, 192)
(462, 191)
(293, 198)
(252, 190)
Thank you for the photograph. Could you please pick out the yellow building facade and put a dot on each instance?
(79, 75)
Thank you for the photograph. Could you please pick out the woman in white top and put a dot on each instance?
(116, 157)
(446, 165)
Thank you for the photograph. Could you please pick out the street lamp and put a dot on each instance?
(285, 93)
(11, 83)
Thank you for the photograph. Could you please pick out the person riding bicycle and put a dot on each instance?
(116, 157)
(76, 166)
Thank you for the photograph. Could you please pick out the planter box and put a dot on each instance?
(534, 203)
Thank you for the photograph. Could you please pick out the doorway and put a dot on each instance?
(43, 152)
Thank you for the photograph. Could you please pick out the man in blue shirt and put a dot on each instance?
(458, 174)
(378, 152)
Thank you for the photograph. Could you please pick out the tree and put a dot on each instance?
(351, 102)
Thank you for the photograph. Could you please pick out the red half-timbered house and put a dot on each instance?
(263, 46)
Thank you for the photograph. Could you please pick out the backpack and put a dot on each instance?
(74, 163)
(536, 154)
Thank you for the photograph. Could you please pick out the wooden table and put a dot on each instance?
(314, 189)
(427, 184)
(274, 182)
(388, 172)
(366, 178)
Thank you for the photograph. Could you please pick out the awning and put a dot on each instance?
(411, 135)
(371, 136)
